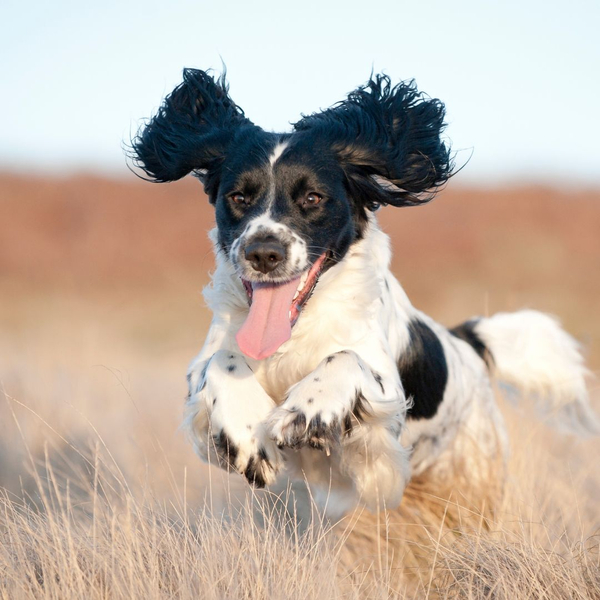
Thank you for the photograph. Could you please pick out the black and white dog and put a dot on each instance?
(316, 365)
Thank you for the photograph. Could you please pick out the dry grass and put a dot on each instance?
(83, 528)
(101, 495)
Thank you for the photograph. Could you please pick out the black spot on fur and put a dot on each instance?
(203, 377)
(379, 380)
(299, 422)
(423, 371)
(321, 435)
(214, 401)
(317, 379)
(357, 415)
(226, 448)
(360, 408)
(330, 358)
(347, 424)
(466, 332)
(231, 368)
(253, 473)
(231, 356)
(310, 400)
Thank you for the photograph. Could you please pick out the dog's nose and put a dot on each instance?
(264, 255)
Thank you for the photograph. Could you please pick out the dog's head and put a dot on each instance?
(289, 206)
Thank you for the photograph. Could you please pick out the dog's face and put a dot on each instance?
(289, 206)
(282, 212)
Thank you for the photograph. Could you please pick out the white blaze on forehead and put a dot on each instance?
(277, 152)
(297, 251)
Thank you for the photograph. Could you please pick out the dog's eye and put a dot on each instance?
(311, 199)
(238, 198)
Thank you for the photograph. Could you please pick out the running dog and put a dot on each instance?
(316, 365)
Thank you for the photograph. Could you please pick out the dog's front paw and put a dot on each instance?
(320, 410)
(225, 416)
(294, 428)
(258, 461)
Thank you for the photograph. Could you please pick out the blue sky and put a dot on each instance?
(520, 79)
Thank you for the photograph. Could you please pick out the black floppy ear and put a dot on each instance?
(387, 140)
(191, 131)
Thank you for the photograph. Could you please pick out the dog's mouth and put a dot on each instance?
(274, 310)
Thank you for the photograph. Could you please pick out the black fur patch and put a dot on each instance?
(466, 332)
(226, 448)
(361, 407)
(231, 368)
(358, 414)
(423, 371)
(322, 436)
(253, 473)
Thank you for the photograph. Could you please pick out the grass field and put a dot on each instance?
(100, 311)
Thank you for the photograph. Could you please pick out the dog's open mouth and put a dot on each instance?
(274, 310)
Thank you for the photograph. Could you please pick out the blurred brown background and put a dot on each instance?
(101, 306)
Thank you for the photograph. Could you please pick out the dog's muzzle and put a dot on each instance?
(265, 254)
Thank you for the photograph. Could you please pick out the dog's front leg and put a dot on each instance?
(355, 414)
(225, 413)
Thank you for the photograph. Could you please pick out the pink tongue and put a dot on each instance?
(268, 324)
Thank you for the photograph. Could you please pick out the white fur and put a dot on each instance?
(379, 471)
(358, 307)
(277, 152)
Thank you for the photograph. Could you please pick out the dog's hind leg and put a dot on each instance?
(355, 415)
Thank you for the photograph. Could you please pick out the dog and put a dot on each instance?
(316, 366)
